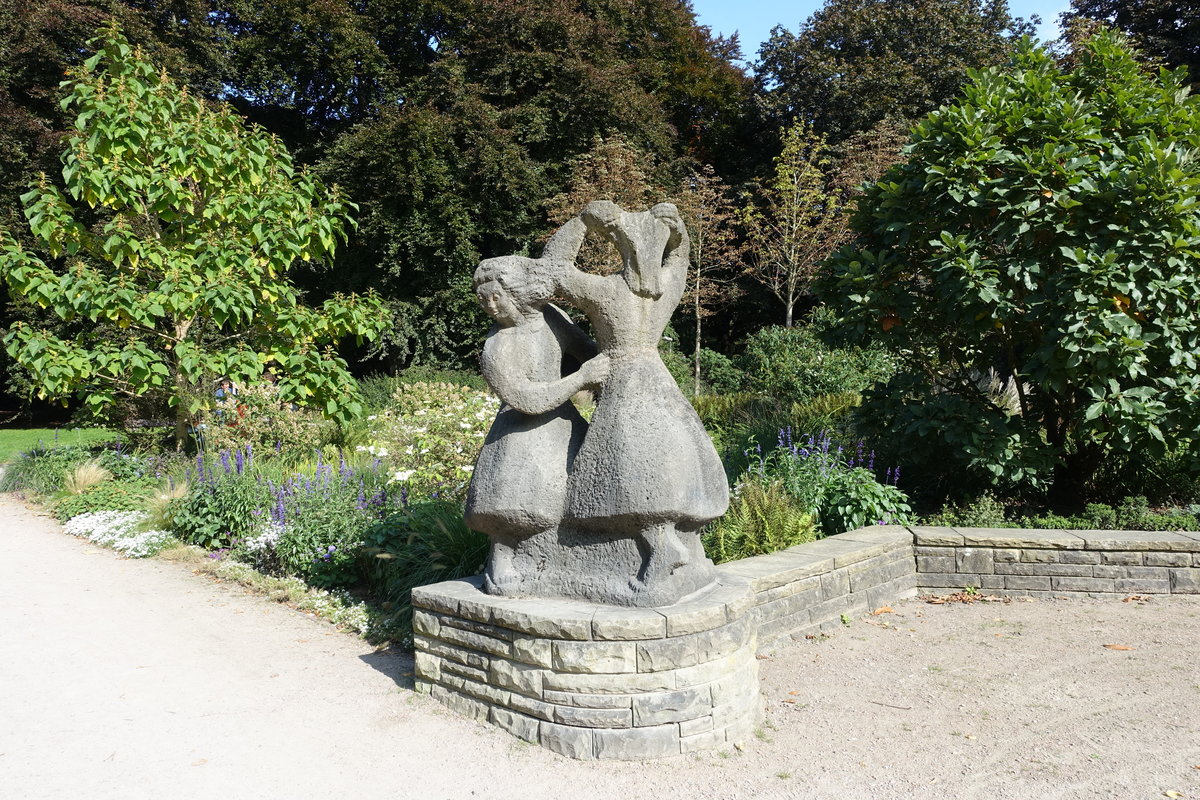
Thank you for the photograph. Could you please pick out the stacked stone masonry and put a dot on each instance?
(1044, 562)
(593, 681)
(597, 681)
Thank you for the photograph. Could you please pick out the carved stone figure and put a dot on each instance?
(609, 512)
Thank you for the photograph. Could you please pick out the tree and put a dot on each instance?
(1043, 238)
(798, 220)
(855, 63)
(611, 169)
(177, 253)
(1166, 30)
(711, 218)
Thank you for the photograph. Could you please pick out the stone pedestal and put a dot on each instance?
(590, 680)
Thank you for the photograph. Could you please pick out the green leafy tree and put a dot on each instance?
(797, 218)
(717, 247)
(1035, 267)
(1166, 30)
(855, 63)
(173, 241)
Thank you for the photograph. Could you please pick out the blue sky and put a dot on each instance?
(753, 19)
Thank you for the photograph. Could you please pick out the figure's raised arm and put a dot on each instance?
(678, 250)
(505, 366)
(575, 342)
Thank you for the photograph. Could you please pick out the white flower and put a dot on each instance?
(402, 475)
(420, 412)
(382, 452)
(360, 449)
(467, 469)
(466, 426)
(372, 417)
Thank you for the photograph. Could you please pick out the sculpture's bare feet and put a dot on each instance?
(664, 553)
(501, 578)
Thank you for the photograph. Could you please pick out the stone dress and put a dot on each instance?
(519, 483)
(646, 459)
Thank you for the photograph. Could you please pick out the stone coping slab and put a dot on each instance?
(726, 601)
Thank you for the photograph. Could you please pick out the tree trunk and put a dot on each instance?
(696, 349)
(791, 304)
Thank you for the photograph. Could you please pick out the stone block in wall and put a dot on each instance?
(844, 551)
(451, 652)
(1020, 538)
(667, 654)
(992, 581)
(1144, 585)
(835, 583)
(1185, 581)
(516, 677)
(1122, 557)
(776, 569)
(946, 580)
(469, 707)
(1141, 540)
(627, 624)
(532, 650)
(594, 717)
(706, 740)
(519, 725)
(1006, 555)
(935, 537)
(664, 707)
(638, 743)
(547, 619)
(1063, 570)
(568, 740)
(1070, 584)
(975, 560)
(1027, 582)
(1167, 559)
(589, 700)
(594, 657)
(810, 585)
(936, 563)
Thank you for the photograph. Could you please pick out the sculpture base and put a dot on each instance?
(590, 680)
(660, 568)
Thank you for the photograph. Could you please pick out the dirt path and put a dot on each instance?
(136, 679)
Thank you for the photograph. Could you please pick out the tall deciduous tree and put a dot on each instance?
(711, 217)
(796, 219)
(855, 63)
(1046, 230)
(174, 238)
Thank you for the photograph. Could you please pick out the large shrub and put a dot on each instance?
(795, 365)
(1034, 266)
(258, 417)
(430, 437)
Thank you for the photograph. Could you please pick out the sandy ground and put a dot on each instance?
(138, 679)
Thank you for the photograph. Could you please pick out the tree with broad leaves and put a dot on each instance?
(796, 218)
(173, 238)
(1034, 267)
(1165, 30)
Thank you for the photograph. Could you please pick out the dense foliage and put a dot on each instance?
(173, 240)
(855, 63)
(1033, 267)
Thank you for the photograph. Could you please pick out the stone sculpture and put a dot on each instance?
(608, 512)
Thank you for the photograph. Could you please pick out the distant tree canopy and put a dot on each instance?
(1166, 30)
(855, 63)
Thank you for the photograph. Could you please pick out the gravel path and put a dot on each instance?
(137, 679)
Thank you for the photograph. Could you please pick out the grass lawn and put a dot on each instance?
(14, 441)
